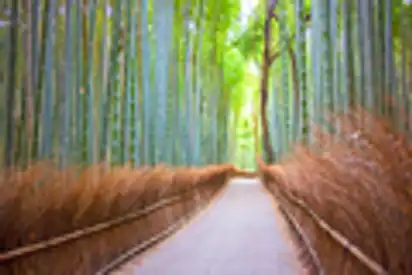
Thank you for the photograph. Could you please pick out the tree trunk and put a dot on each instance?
(267, 146)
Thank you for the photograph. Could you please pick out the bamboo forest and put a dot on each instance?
(196, 137)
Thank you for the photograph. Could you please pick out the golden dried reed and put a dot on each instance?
(43, 203)
(352, 200)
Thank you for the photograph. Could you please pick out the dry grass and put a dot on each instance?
(360, 189)
(41, 203)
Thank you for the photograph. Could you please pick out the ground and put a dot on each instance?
(239, 233)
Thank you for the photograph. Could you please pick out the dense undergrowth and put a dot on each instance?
(350, 207)
(70, 222)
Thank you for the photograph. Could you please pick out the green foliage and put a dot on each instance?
(118, 77)
(178, 81)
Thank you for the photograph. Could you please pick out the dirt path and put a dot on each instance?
(239, 234)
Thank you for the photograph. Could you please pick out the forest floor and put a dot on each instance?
(240, 232)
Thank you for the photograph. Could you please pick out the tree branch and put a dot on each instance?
(274, 56)
(291, 54)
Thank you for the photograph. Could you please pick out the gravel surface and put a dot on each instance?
(240, 233)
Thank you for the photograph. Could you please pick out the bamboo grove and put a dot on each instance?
(117, 81)
(165, 81)
(321, 57)
(189, 83)
(336, 78)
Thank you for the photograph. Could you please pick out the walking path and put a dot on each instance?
(239, 234)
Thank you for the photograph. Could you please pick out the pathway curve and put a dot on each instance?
(239, 234)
